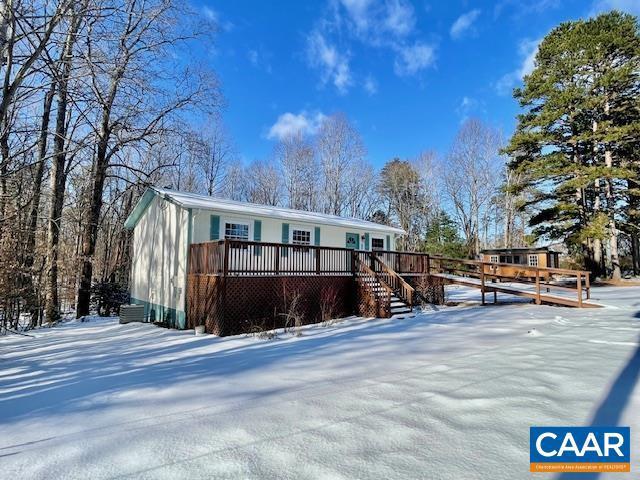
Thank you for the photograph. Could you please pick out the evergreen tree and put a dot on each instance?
(442, 237)
(576, 137)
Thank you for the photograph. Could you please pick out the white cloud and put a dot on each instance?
(214, 17)
(628, 6)
(370, 85)
(413, 58)
(333, 65)
(463, 23)
(400, 19)
(523, 8)
(467, 106)
(210, 13)
(289, 124)
(527, 49)
(374, 20)
(252, 55)
(387, 25)
(358, 10)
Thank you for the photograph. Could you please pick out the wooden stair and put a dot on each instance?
(380, 284)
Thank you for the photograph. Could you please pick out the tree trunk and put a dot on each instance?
(90, 231)
(597, 242)
(635, 254)
(4, 162)
(37, 187)
(58, 173)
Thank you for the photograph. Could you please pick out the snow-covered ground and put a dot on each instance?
(450, 393)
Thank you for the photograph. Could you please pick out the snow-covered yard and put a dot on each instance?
(450, 393)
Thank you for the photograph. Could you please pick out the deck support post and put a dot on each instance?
(482, 284)
(428, 259)
(495, 297)
(225, 267)
(587, 285)
(579, 288)
(538, 302)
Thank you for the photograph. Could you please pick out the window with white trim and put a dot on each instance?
(377, 243)
(533, 260)
(236, 231)
(301, 237)
(493, 259)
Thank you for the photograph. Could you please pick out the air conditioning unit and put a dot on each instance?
(131, 313)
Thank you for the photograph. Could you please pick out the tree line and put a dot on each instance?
(90, 88)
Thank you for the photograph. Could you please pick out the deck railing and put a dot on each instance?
(546, 278)
(393, 279)
(237, 258)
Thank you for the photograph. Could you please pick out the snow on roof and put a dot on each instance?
(204, 202)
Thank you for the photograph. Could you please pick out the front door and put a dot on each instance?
(353, 241)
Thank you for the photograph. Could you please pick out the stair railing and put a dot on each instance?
(388, 276)
(367, 279)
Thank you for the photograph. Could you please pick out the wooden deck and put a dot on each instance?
(519, 290)
(230, 258)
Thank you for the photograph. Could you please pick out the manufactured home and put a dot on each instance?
(176, 234)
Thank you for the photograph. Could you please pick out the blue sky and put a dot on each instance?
(406, 73)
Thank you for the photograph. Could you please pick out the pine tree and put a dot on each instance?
(574, 141)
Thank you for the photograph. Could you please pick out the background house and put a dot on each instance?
(165, 222)
(530, 256)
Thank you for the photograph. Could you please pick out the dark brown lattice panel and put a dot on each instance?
(204, 301)
(428, 289)
(245, 304)
(370, 305)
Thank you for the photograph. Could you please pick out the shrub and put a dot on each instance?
(106, 297)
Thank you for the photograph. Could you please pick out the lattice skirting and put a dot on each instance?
(369, 305)
(233, 305)
(428, 289)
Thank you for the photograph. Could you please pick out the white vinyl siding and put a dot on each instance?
(271, 229)
(159, 256)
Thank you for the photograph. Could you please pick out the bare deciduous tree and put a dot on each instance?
(341, 154)
(296, 157)
(471, 176)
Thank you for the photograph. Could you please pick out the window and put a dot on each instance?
(377, 244)
(493, 259)
(533, 260)
(301, 237)
(236, 231)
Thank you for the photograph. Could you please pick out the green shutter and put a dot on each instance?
(285, 238)
(316, 236)
(257, 236)
(389, 243)
(366, 241)
(214, 227)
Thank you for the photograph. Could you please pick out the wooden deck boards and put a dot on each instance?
(520, 291)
